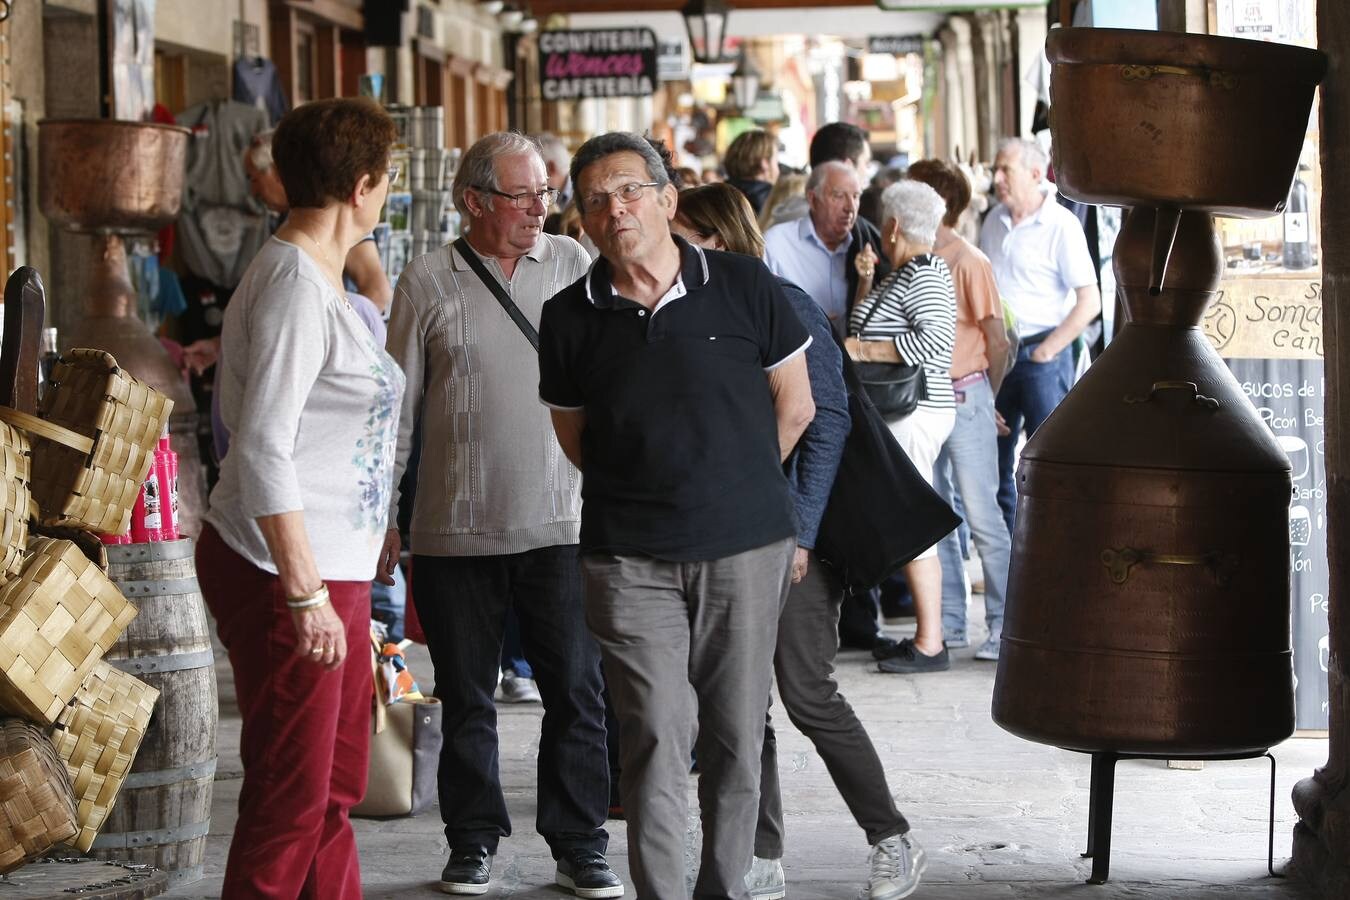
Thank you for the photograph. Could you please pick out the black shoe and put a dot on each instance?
(910, 660)
(469, 871)
(884, 647)
(586, 874)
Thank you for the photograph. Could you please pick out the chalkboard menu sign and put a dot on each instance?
(1269, 331)
(601, 62)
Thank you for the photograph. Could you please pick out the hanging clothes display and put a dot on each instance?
(257, 83)
(221, 226)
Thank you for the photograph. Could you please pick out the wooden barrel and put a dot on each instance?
(163, 812)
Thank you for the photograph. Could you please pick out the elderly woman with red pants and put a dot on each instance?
(297, 520)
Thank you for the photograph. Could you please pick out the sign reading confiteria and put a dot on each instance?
(603, 62)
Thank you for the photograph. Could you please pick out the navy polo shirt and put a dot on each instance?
(681, 443)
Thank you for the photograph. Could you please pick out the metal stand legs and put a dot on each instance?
(1101, 799)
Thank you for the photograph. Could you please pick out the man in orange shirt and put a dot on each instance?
(968, 462)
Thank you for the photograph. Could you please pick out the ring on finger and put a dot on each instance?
(317, 651)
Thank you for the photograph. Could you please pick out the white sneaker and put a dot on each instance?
(765, 880)
(897, 863)
(989, 650)
(515, 689)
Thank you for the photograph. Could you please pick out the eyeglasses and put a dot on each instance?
(628, 193)
(393, 172)
(525, 199)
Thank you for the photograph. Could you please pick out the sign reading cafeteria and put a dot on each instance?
(602, 62)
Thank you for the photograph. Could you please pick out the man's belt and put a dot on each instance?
(966, 381)
(1036, 338)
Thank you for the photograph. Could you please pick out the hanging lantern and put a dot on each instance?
(706, 23)
(745, 82)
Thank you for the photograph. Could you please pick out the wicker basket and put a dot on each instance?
(94, 442)
(37, 807)
(97, 735)
(57, 619)
(16, 504)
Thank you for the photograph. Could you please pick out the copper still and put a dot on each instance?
(111, 178)
(1148, 598)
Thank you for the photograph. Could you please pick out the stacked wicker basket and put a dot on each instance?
(73, 722)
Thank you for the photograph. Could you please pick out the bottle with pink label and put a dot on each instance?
(166, 469)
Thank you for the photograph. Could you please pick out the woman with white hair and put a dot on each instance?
(910, 319)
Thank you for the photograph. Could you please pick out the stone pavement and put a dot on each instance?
(998, 816)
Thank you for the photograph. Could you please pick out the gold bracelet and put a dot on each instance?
(316, 597)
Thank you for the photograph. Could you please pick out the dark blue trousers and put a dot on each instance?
(462, 604)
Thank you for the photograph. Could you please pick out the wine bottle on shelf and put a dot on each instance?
(1297, 236)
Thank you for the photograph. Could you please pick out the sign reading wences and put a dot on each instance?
(603, 62)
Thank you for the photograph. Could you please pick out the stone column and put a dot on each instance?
(1322, 835)
(953, 98)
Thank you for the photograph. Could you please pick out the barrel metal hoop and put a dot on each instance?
(158, 588)
(159, 550)
(185, 876)
(161, 777)
(173, 662)
(131, 840)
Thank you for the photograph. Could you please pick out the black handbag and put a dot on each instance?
(881, 512)
(895, 389)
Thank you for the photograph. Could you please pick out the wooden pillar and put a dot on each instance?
(1322, 835)
(284, 50)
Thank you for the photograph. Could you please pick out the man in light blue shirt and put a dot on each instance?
(813, 252)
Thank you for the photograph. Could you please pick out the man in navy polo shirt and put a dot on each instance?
(678, 385)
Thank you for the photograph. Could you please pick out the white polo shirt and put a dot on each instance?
(1038, 263)
(794, 251)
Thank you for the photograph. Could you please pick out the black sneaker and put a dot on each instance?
(910, 660)
(469, 871)
(586, 874)
(884, 647)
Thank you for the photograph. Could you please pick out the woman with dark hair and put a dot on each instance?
(297, 519)
(718, 217)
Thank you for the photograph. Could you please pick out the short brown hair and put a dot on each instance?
(721, 210)
(746, 155)
(950, 183)
(322, 149)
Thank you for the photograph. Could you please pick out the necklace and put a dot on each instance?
(317, 246)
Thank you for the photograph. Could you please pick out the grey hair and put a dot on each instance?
(916, 207)
(820, 172)
(478, 168)
(260, 150)
(602, 145)
(553, 150)
(1029, 153)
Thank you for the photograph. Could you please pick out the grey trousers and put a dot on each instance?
(663, 627)
(804, 662)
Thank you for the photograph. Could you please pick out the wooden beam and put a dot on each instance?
(544, 8)
(331, 11)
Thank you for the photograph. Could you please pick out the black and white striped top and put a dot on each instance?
(916, 305)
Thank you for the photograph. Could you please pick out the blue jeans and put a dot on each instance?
(1028, 396)
(513, 654)
(388, 603)
(462, 602)
(968, 467)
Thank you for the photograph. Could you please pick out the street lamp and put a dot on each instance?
(706, 23)
(745, 82)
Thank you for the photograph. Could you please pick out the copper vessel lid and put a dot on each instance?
(112, 123)
(1120, 46)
